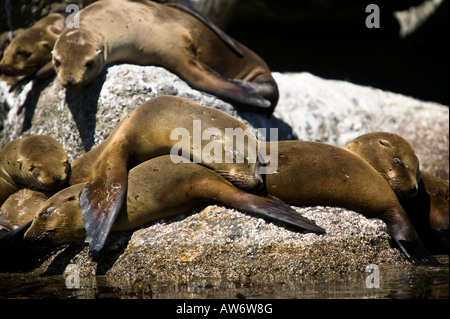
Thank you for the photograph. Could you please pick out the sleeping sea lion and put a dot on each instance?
(424, 197)
(37, 162)
(393, 157)
(29, 53)
(148, 33)
(311, 173)
(21, 207)
(157, 188)
(151, 130)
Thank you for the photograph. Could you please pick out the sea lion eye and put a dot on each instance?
(90, 64)
(397, 161)
(32, 167)
(57, 63)
(381, 142)
(23, 54)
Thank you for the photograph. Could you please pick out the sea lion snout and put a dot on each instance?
(58, 180)
(69, 81)
(412, 191)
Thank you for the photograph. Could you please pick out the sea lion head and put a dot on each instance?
(42, 163)
(25, 55)
(393, 157)
(77, 59)
(59, 219)
(21, 206)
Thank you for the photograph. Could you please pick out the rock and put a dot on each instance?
(222, 242)
(310, 108)
(336, 112)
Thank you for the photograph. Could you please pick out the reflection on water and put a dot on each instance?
(394, 282)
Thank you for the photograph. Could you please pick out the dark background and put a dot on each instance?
(330, 39)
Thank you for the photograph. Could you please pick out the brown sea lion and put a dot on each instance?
(30, 52)
(311, 173)
(425, 197)
(21, 207)
(37, 162)
(157, 188)
(148, 33)
(429, 212)
(151, 130)
(393, 157)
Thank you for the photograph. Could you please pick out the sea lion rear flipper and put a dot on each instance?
(203, 78)
(275, 209)
(196, 14)
(416, 252)
(100, 202)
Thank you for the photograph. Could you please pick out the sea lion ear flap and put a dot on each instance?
(46, 45)
(384, 143)
(54, 30)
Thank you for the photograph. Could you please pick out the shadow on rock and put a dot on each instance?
(82, 104)
(29, 106)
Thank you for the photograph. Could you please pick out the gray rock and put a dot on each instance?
(223, 242)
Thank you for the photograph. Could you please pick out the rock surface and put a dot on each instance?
(222, 242)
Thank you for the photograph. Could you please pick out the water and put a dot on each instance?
(394, 282)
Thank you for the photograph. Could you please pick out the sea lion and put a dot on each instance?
(157, 188)
(20, 207)
(5, 227)
(426, 204)
(429, 212)
(151, 130)
(37, 162)
(148, 33)
(393, 157)
(311, 173)
(29, 53)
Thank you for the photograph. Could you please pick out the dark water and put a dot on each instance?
(394, 283)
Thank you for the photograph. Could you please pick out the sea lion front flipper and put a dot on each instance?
(15, 236)
(45, 71)
(196, 14)
(100, 202)
(19, 82)
(42, 73)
